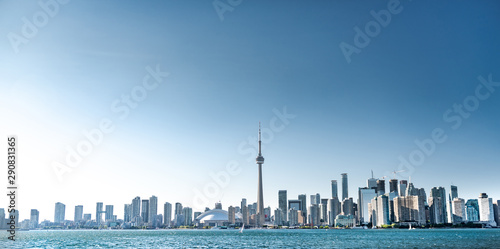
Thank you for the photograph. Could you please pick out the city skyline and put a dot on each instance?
(281, 199)
(121, 103)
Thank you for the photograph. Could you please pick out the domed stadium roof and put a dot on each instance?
(215, 215)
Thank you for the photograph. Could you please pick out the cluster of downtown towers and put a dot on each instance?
(403, 204)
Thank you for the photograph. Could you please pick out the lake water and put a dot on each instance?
(349, 238)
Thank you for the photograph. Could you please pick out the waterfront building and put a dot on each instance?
(486, 213)
(59, 212)
(167, 214)
(78, 213)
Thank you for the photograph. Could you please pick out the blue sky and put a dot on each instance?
(225, 77)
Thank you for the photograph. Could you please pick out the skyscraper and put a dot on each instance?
(303, 208)
(127, 212)
(371, 182)
(145, 211)
(486, 213)
(334, 189)
(454, 192)
(440, 193)
(98, 213)
(345, 191)
(380, 187)
(458, 210)
(393, 186)
(167, 214)
(136, 207)
(260, 194)
(244, 211)
(365, 197)
(333, 209)
(60, 212)
(78, 213)
(153, 210)
(282, 203)
(187, 212)
(472, 210)
(231, 214)
(34, 217)
(348, 206)
(109, 213)
(402, 187)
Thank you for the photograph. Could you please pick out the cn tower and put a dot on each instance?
(260, 198)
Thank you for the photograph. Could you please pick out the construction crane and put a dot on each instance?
(396, 171)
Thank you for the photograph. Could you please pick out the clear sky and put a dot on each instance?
(65, 67)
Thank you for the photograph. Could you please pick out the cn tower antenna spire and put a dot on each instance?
(260, 152)
(260, 195)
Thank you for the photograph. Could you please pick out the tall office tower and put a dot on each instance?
(402, 187)
(347, 206)
(127, 213)
(293, 218)
(231, 215)
(313, 215)
(78, 213)
(381, 204)
(371, 182)
(153, 210)
(345, 190)
(277, 217)
(393, 186)
(303, 208)
(187, 212)
(333, 209)
(109, 213)
(323, 218)
(98, 213)
(260, 193)
(167, 214)
(60, 212)
(365, 196)
(178, 208)
(34, 217)
(472, 210)
(334, 189)
(421, 193)
(440, 192)
(458, 210)
(282, 204)
(380, 187)
(486, 212)
(145, 211)
(454, 192)
(316, 199)
(136, 207)
(409, 209)
(244, 211)
(436, 210)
